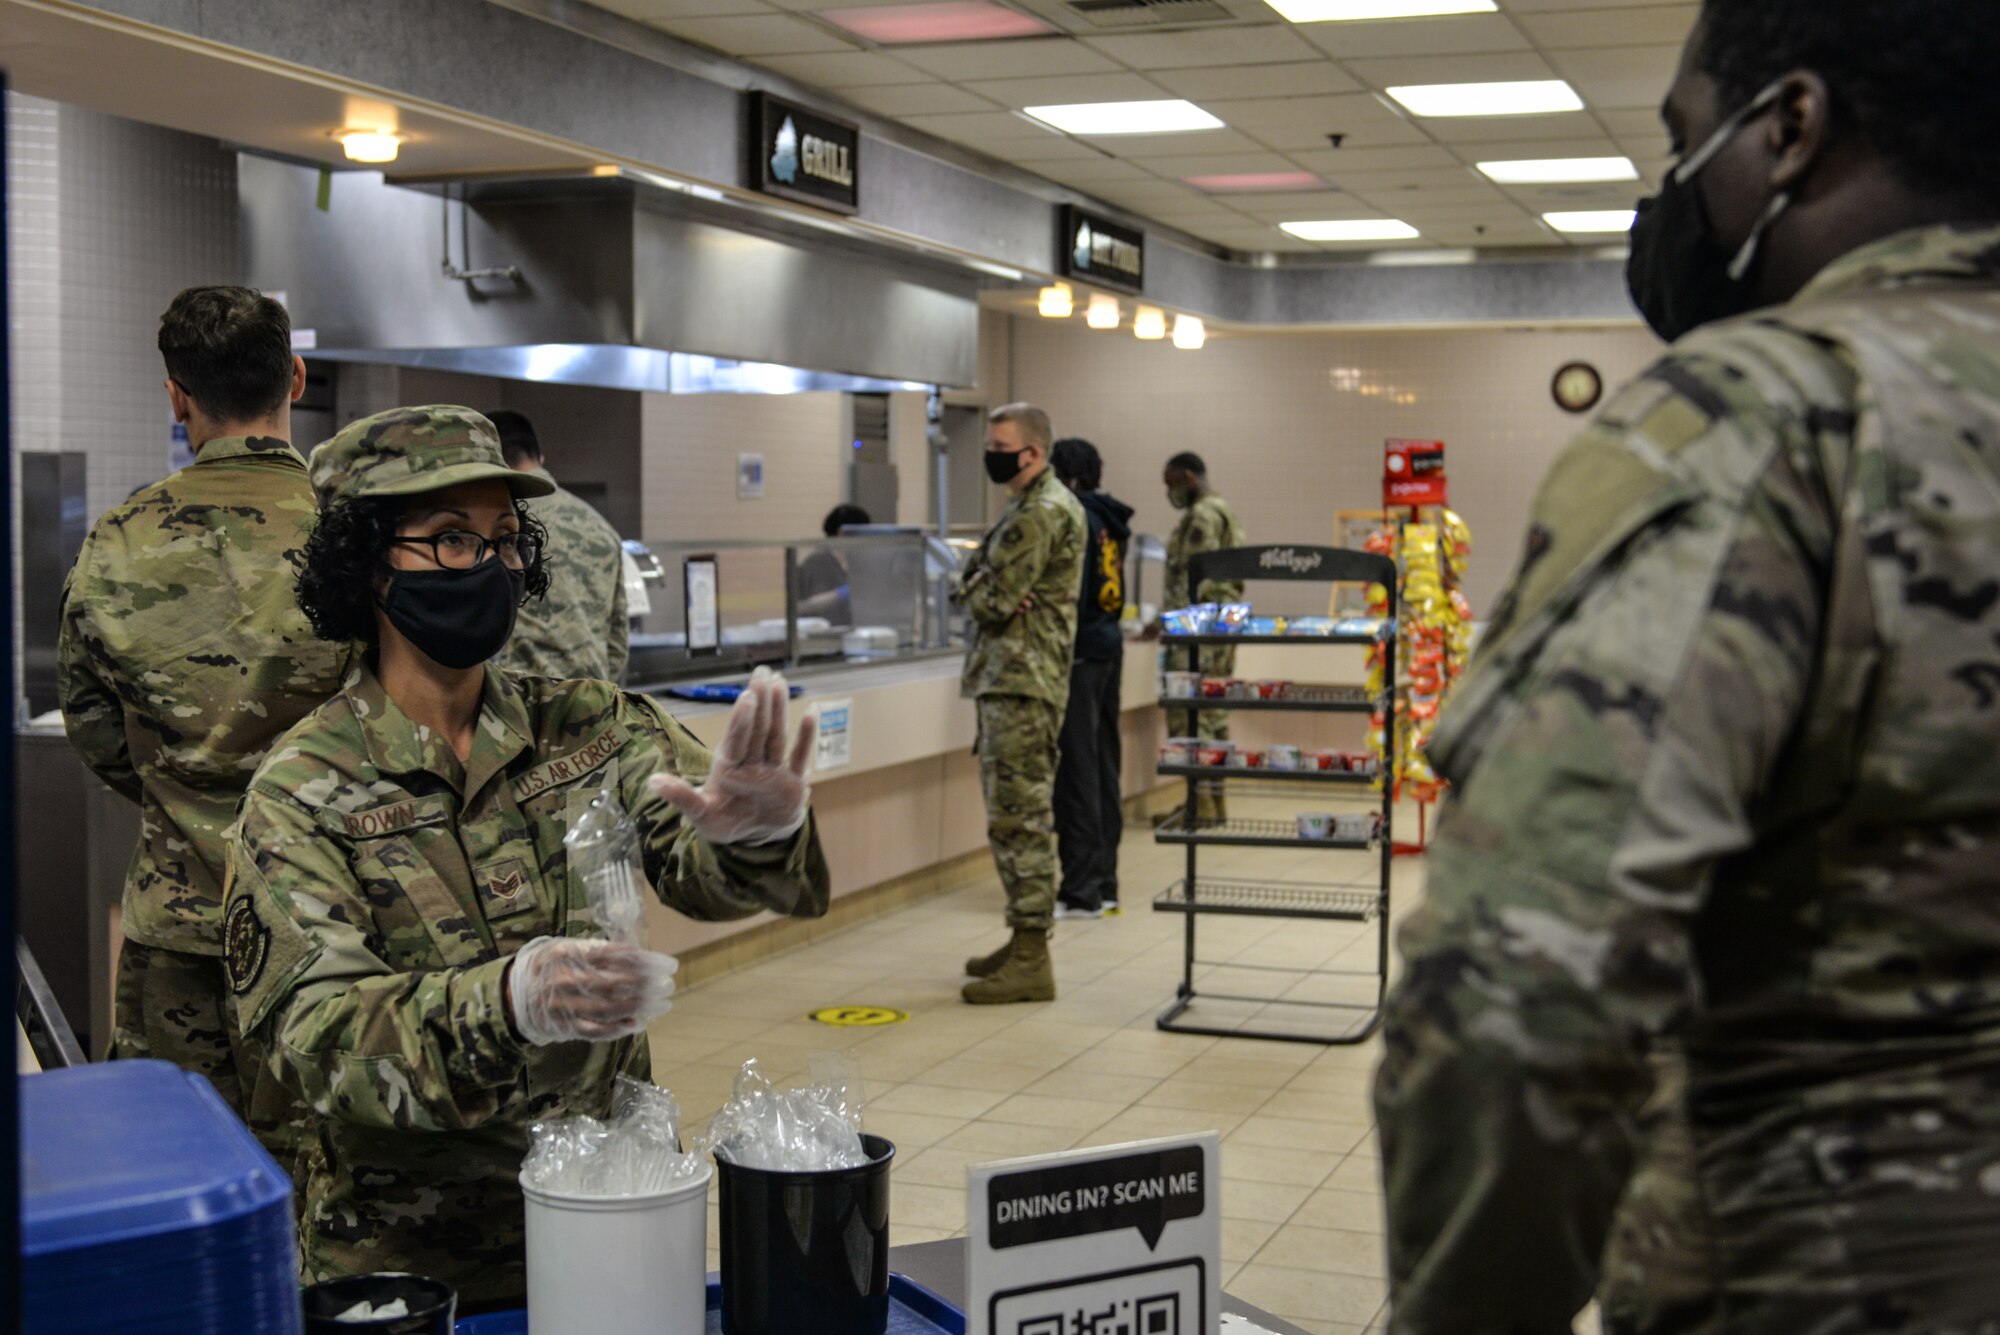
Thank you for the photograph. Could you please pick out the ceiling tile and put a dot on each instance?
(757, 35)
(1593, 6)
(1030, 58)
(1271, 44)
(917, 99)
(1310, 79)
(1574, 198)
(1032, 153)
(1328, 207)
(1514, 150)
(1574, 125)
(1154, 190)
(1561, 30)
(1147, 147)
(1305, 122)
(1620, 76)
(850, 69)
(1216, 164)
(1448, 178)
(1512, 232)
(1493, 67)
(1329, 161)
(653, 11)
(1062, 89)
(1101, 175)
(986, 127)
(1459, 35)
(1294, 204)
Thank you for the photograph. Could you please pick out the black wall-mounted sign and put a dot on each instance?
(804, 156)
(1101, 251)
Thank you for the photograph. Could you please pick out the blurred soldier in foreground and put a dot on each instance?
(182, 657)
(1712, 912)
(1020, 589)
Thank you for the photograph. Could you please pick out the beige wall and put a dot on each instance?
(1287, 434)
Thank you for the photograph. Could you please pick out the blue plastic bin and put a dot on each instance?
(146, 1205)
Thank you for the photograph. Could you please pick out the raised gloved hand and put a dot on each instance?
(560, 989)
(755, 792)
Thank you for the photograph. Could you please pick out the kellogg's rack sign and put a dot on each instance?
(1413, 473)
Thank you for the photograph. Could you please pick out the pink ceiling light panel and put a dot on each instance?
(1250, 183)
(952, 21)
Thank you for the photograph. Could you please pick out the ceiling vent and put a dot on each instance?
(1148, 13)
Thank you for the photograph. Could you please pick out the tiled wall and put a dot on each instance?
(108, 219)
(1292, 426)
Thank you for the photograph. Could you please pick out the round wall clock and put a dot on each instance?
(1577, 387)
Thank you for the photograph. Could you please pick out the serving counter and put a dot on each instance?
(903, 817)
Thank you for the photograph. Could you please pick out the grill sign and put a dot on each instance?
(804, 156)
(1102, 251)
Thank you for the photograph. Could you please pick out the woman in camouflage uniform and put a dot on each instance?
(401, 927)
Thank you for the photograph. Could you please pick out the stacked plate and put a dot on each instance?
(146, 1205)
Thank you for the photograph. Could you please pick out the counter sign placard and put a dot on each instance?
(1119, 1241)
(1101, 251)
(803, 155)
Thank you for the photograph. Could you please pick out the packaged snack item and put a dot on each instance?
(1215, 688)
(1179, 751)
(1213, 753)
(1183, 685)
(1273, 690)
(1231, 618)
(1315, 824)
(1247, 757)
(1281, 756)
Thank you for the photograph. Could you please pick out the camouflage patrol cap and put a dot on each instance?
(409, 451)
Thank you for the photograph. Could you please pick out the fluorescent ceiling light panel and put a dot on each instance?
(1171, 116)
(1592, 220)
(1346, 11)
(951, 21)
(1352, 229)
(1534, 97)
(1560, 171)
(1252, 183)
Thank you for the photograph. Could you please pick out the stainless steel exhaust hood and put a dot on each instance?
(620, 285)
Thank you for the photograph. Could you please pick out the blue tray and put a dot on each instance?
(719, 693)
(913, 1310)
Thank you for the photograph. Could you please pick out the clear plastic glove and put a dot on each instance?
(755, 792)
(561, 989)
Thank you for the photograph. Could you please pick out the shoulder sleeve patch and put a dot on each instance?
(246, 945)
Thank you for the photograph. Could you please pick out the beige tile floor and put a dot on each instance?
(957, 1085)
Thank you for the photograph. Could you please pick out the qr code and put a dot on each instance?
(1161, 1300)
(1158, 1315)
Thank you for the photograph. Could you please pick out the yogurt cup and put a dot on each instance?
(1214, 753)
(1183, 685)
(1315, 824)
(1281, 756)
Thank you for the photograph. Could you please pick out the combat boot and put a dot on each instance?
(1027, 974)
(1210, 807)
(985, 966)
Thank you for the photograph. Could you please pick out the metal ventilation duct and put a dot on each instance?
(619, 285)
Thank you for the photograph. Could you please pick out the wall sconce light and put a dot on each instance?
(1055, 303)
(1150, 323)
(1104, 312)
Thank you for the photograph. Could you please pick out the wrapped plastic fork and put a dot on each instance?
(603, 844)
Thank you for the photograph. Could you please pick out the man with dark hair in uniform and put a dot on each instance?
(1709, 960)
(182, 657)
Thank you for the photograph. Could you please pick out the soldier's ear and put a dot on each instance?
(298, 377)
(178, 398)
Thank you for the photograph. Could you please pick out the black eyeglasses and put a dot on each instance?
(455, 549)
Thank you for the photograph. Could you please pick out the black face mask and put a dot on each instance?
(1680, 276)
(1003, 466)
(457, 618)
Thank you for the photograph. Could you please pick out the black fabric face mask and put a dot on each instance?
(457, 618)
(1003, 466)
(1679, 275)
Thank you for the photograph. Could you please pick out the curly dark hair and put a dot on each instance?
(347, 551)
(1909, 77)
